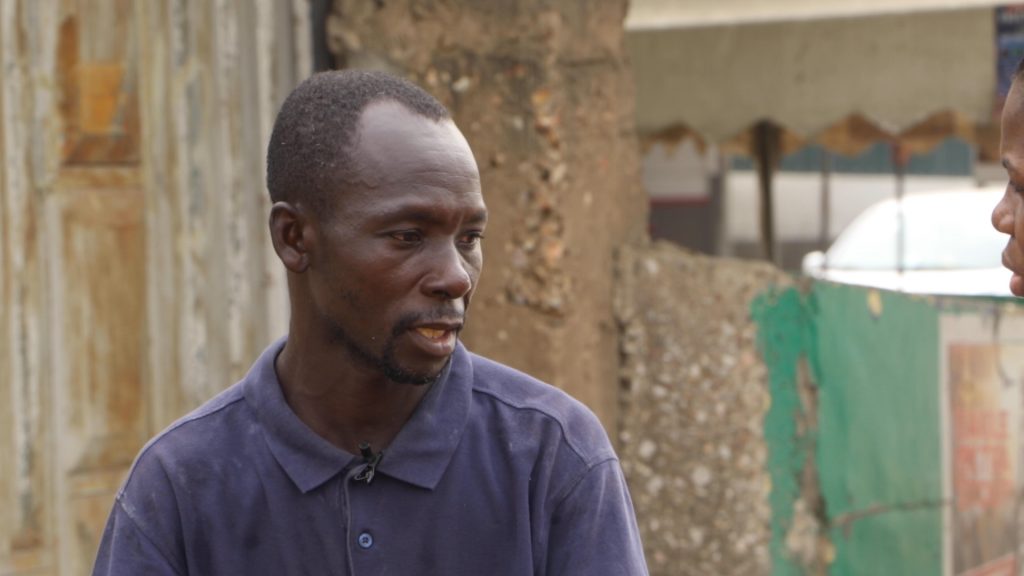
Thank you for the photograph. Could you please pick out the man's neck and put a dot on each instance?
(340, 398)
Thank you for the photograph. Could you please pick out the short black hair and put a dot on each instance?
(308, 156)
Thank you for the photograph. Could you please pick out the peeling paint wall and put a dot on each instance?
(785, 338)
(135, 277)
(866, 472)
(692, 434)
(878, 439)
(769, 427)
(853, 433)
(542, 92)
(211, 80)
(24, 481)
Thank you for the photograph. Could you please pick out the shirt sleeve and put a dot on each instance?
(594, 530)
(126, 550)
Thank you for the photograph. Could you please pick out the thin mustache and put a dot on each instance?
(406, 322)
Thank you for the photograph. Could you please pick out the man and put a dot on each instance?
(370, 441)
(1008, 215)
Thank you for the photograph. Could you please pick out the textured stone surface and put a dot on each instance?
(694, 398)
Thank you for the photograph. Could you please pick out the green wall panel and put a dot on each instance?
(855, 432)
(878, 441)
(784, 336)
(896, 543)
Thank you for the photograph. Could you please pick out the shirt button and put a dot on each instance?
(365, 540)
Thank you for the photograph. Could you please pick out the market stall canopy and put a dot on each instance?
(648, 14)
(844, 74)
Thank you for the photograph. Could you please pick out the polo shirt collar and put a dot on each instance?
(424, 447)
(308, 459)
(418, 455)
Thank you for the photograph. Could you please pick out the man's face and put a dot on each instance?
(400, 255)
(1008, 215)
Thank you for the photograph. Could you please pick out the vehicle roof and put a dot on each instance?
(959, 195)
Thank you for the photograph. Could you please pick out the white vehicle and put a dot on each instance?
(948, 246)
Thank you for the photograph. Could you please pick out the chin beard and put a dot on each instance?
(386, 363)
(399, 375)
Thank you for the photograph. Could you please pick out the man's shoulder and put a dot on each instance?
(197, 436)
(188, 469)
(523, 397)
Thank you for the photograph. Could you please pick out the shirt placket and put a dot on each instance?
(360, 540)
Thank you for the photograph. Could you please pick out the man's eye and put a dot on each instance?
(471, 239)
(407, 236)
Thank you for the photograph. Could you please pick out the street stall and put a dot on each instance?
(764, 79)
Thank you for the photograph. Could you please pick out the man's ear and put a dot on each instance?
(293, 234)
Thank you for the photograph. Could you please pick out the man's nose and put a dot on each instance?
(449, 277)
(1003, 213)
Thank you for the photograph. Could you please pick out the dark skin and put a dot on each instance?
(380, 287)
(1008, 215)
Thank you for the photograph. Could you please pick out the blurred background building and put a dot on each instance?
(838, 100)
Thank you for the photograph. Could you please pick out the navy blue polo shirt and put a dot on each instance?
(495, 473)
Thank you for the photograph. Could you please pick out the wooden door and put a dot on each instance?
(74, 277)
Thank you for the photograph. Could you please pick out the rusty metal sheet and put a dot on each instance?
(25, 530)
(99, 405)
(136, 278)
(97, 79)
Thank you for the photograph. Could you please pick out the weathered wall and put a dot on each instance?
(134, 277)
(692, 436)
(877, 442)
(894, 433)
(541, 91)
(212, 75)
(774, 428)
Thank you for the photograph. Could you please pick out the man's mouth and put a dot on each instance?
(433, 333)
(437, 339)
